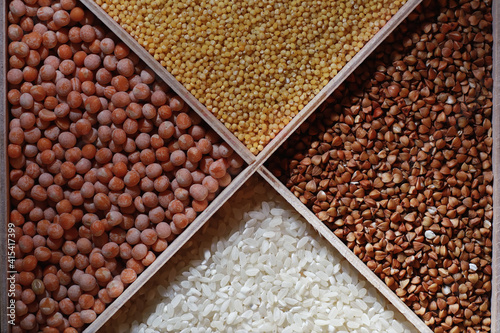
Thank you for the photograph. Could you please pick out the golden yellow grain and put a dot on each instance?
(253, 64)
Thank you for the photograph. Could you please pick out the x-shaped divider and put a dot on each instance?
(255, 164)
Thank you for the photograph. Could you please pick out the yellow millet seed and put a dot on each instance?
(253, 64)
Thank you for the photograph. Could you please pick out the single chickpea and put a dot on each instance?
(158, 98)
(183, 121)
(115, 288)
(87, 33)
(88, 316)
(87, 282)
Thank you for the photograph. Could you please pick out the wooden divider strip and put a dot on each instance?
(175, 246)
(337, 80)
(168, 78)
(344, 250)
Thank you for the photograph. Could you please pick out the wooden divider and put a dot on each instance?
(495, 291)
(212, 120)
(168, 78)
(334, 83)
(344, 250)
(257, 162)
(175, 246)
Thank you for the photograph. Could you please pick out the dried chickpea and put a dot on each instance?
(125, 67)
(81, 261)
(66, 306)
(139, 251)
(25, 243)
(87, 33)
(75, 320)
(110, 250)
(55, 231)
(96, 260)
(26, 278)
(86, 301)
(51, 282)
(88, 316)
(204, 145)
(87, 282)
(28, 322)
(178, 157)
(180, 220)
(136, 265)
(185, 141)
(141, 91)
(114, 288)
(74, 292)
(158, 98)
(29, 263)
(125, 251)
(199, 206)
(183, 121)
(77, 14)
(218, 169)
(103, 275)
(176, 104)
(102, 202)
(120, 99)
(83, 245)
(99, 306)
(148, 236)
(67, 263)
(149, 259)
(163, 230)
(198, 192)
(133, 235)
(124, 200)
(121, 50)
(54, 320)
(14, 32)
(61, 18)
(161, 184)
(184, 177)
(97, 228)
(224, 180)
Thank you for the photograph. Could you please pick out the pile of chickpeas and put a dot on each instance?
(253, 64)
(107, 165)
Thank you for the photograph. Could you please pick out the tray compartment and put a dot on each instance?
(283, 116)
(372, 160)
(145, 110)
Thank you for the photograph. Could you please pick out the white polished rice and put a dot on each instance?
(257, 266)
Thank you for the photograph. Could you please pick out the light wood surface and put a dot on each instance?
(495, 291)
(337, 80)
(175, 246)
(344, 250)
(4, 177)
(160, 71)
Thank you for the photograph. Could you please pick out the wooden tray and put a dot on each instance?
(255, 164)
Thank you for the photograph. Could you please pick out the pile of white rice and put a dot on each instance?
(258, 266)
